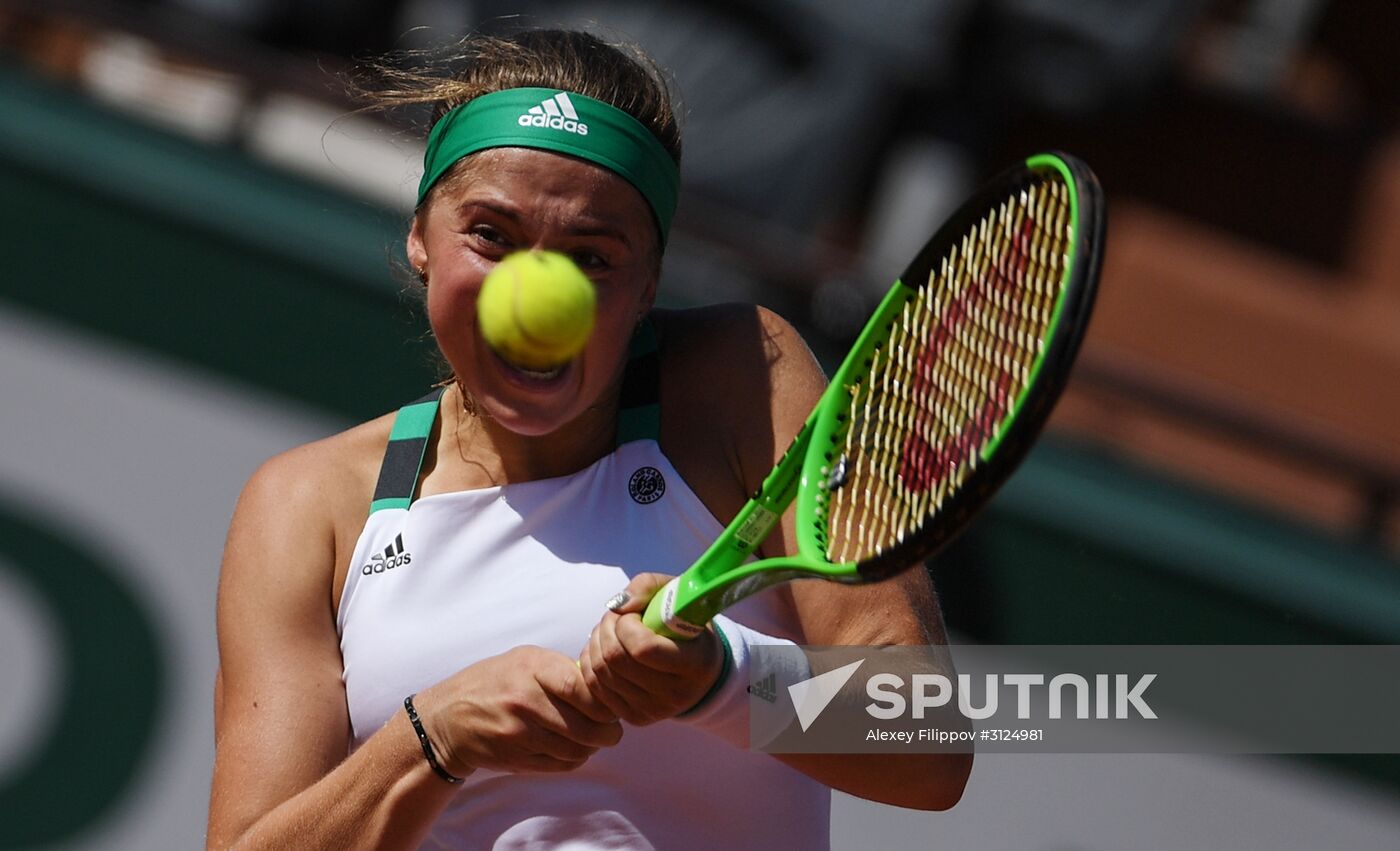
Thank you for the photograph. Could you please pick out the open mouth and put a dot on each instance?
(534, 378)
(540, 374)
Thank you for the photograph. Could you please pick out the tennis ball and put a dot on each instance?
(536, 309)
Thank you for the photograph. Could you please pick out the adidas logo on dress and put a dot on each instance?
(557, 113)
(392, 557)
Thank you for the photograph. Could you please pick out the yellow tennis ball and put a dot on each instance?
(536, 309)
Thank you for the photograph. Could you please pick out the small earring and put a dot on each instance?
(422, 275)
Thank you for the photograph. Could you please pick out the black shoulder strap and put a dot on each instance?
(403, 458)
(639, 411)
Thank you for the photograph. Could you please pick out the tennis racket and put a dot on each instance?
(936, 404)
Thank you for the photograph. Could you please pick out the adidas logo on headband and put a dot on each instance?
(557, 113)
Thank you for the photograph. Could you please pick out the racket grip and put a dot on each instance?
(660, 616)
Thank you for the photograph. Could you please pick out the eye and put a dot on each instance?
(589, 260)
(489, 237)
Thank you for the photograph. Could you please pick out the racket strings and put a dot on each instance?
(942, 388)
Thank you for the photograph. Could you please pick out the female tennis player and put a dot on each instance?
(428, 624)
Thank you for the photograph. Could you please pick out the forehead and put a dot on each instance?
(546, 183)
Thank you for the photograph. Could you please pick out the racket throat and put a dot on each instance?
(684, 605)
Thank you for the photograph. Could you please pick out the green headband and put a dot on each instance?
(564, 122)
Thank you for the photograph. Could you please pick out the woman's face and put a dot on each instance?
(511, 199)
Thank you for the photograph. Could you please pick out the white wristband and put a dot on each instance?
(725, 711)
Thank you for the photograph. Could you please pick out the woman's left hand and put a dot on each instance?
(642, 677)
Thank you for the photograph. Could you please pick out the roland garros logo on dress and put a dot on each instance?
(646, 485)
(557, 113)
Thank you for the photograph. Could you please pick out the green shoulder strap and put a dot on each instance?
(403, 458)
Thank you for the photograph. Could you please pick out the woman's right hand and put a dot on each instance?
(525, 710)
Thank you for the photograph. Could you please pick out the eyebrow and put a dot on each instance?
(591, 227)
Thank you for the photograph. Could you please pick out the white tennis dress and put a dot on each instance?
(447, 580)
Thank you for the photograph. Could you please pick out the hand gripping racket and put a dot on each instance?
(938, 401)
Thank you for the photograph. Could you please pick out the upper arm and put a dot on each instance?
(281, 720)
(744, 383)
(898, 611)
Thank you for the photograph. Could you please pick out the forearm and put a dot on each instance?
(925, 781)
(929, 781)
(384, 796)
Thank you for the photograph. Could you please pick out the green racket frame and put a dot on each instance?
(723, 575)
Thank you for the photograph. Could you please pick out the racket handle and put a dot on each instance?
(661, 619)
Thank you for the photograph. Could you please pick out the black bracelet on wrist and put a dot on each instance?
(427, 745)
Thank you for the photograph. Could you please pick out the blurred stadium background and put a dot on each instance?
(196, 271)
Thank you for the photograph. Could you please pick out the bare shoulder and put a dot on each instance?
(307, 504)
(748, 327)
(737, 382)
(325, 479)
(734, 354)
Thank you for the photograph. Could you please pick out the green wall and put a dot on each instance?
(200, 254)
